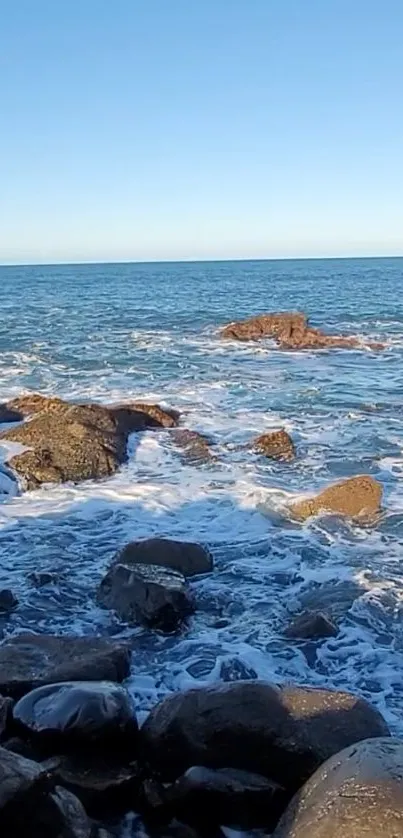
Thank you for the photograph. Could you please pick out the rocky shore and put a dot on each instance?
(287, 760)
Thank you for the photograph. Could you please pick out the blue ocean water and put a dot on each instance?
(116, 332)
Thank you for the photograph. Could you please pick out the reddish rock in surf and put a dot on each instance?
(290, 330)
(275, 444)
(356, 497)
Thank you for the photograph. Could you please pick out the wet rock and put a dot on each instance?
(154, 596)
(6, 716)
(21, 782)
(184, 556)
(225, 796)
(275, 444)
(290, 330)
(7, 601)
(357, 793)
(79, 713)
(235, 669)
(74, 442)
(24, 749)
(105, 787)
(30, 404)
(40, 578)
(282, 733)
(195, 446)
(356, 497)
(162, 417)
(56, 815)
(311, 625)
(28, 661)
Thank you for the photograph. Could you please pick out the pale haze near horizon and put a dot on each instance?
(167, 129)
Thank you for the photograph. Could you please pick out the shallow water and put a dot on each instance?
(110, 333)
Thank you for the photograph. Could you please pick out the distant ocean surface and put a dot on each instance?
(116, 332)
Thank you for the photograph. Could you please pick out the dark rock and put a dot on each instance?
(154, 596)
(40, 578)
(195, 446)
(104, 786)
(7, 601)
(184, 556)
(24, 749)
(6, 716)
(7, 415)
(225, 796)
(356, 497)
(235, 669)
(282, 733)
(28, 661)
(56, 815)
(290, 330)
(311, 625)
(275, 444)
(74, 442)
(358, 793)
(21, 781)
(79, 713)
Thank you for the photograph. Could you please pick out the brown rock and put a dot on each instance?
(184, 556)
(358, 793)
(195, 446)
(70, 442)
(359, 496)
(158, 417)
(311, 625)
(32, 403)
(291, 330)
(275, 444)
(28, 661)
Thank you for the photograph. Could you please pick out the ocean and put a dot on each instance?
(117, 332)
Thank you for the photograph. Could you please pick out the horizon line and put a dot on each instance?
(185, 260)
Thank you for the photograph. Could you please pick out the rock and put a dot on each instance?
(24, 749)
(6, 716)
(311, 625)
(195, 446)
(7, 415)
(79, 713)
(103, 786)
(40, 578)
(28, 661)
(162, 417)
(21, 780)
(32, 403)
(55, 815)
(154, 596)
(282, 733)
(290, 330)
(225, 796)
(275, 444)
(68, 442)
(184, 556)
(358, 793)
(7, 601)
(356, 497)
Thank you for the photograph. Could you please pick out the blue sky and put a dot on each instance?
(168, 129)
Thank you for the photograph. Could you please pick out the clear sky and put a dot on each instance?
(168, 129)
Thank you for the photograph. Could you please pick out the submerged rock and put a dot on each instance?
(8, 601)
(282, 733)
(275, 444)
(228, 796)
(28, 661)
(311, 625)
(184, 556)
(290, 330)
(150, 595)
(79, 713)
(356, 497)
(357, 793)
(195, 446)
(74, 442)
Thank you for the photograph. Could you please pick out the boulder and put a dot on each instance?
(311, 625)
(149, 595)
(30, 404)
(8, 601)
(358, 793)
(224, 796)
(55, 815)
(6, 716)
(104, 786)
(356, 497)
(74, 442)
(195, 447)
(28, 661)
(159, 417)
(290, 330)
(275, 444)
(186, 557)
(21, 781)
(282, 733)
(75, 713)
